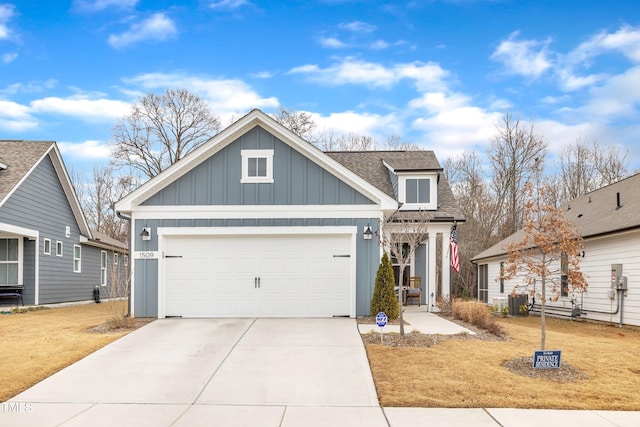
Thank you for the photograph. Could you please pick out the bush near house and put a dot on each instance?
(477, 314)
(384, 298)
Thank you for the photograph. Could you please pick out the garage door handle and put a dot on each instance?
(255, 282)
(342, 256)
(258, 282)
(173, 256)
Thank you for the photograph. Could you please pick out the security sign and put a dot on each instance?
(381, 319)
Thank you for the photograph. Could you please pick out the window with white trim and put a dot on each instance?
(103, 268)
(77, 259)
(47, 246)
(58, 248)
(257, 166)
(126, 260)
(115, 258)
(418, 192)
(9, 262)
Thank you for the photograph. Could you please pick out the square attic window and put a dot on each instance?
(257, 166)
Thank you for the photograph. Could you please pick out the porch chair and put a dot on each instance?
(414, 290)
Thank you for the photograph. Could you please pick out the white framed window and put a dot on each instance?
(77, 259)
(115, 258)
(67, 232)
(58, 248)
(126, 260)
(103, 268)
(10, 261)
(257, 166)
(418, 192)
(47, 246)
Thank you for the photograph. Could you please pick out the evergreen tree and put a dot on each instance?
(384, 298)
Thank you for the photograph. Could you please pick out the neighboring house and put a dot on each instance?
(258, 222)
(609, 222)
(46, 246)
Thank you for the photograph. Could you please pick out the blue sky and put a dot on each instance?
(440, 73)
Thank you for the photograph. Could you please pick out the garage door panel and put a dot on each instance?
(217, 275)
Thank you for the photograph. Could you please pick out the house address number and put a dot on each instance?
(146, 254)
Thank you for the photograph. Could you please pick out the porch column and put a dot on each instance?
(432, 286)
(446, 268)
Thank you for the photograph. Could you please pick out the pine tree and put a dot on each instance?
(384, 298)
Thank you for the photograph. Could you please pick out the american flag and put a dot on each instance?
(453, 244)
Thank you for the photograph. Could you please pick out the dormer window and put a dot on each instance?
(257, 166)
(418, 191)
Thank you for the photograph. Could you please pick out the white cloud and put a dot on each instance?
(226, 96)
(157, 27)
(9, 57)
(358, 27)
(379, 45)
(6, 13)
(528, 58)
(618, 96)
(375, 125)
(15, 117)
(229, 4)
(98, 5)
(82, 107)
(626, 41)
(88, 150)
(331, 43)
(354, 71)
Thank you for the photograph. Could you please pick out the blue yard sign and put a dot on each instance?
(381, 319)
(547, 359)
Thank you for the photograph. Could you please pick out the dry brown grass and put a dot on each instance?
(39, 343)
(477, 314)
(469, 373)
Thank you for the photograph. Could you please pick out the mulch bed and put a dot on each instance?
(565, 373)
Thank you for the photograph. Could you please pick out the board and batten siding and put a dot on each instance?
(600, 253)
(297, 180)
(41, 204)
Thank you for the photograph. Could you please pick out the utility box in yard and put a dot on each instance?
(515, 301)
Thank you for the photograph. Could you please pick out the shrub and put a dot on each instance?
(384, 298)
(477, 314)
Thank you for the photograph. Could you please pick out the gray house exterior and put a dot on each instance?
(46, 246)
(258, 222)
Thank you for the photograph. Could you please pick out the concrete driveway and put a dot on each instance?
(227, 372)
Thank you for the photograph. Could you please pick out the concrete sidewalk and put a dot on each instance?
(418, 319)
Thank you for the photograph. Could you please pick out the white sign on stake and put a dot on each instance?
(381, 320)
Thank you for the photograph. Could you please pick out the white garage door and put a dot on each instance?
(290, 275)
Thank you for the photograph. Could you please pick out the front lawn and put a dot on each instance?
(36, 344)
(470, 373)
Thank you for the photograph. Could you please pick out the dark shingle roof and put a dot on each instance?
(369, 165)
(20, 157)
(595, 213)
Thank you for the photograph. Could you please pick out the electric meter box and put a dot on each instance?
(616, 276)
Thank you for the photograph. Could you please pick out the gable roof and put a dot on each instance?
(232, 133)
(374, 167)
(21, 157)
(595, 214)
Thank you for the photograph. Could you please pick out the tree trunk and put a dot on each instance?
(543, 305)
(400, 310)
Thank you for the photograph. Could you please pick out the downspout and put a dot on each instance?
(129, 248)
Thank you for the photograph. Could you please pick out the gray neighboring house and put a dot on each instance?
(259, 222)
(46, 246)
(609, 222)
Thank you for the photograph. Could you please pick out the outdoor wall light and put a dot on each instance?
(146, 233)
(368, 234)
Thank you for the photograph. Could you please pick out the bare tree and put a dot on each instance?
(299, 122)
(547, 254)
(482, 212)
(586, 167)
(516, 153)
(98, 196)
(404, 231)
(161, 130)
